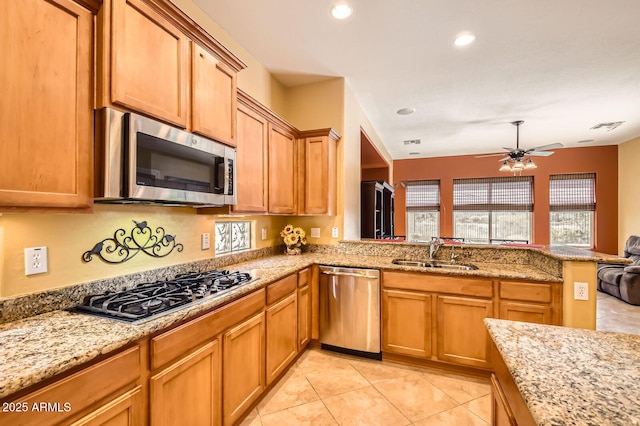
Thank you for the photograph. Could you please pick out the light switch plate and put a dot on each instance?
(335, 232)
(35, 260)
(205, 241)
(315, 232)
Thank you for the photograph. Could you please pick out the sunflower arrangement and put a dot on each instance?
(293, 238)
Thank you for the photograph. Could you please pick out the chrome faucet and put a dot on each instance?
(434, 246)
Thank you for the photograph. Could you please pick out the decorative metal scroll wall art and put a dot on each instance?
(122, 247)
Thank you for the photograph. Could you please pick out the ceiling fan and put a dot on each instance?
(515, 158)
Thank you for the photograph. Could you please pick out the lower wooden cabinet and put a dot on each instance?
(125, 410)
(462, 337)
(243, 367)
(527, 312)
(406, 323)
(304, 316)
(501, 414)
(282, 331)
(188, 391)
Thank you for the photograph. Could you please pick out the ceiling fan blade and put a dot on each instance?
(547, 147)
(489, 155)
(505, 158)
(507, 149)
(539, 153)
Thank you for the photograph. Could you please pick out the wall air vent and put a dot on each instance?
(608, 126)
(413, 142)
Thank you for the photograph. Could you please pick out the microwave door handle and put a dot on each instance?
(226, 176)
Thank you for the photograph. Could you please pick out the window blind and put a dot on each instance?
(514, 193)
(423, 195)
(575, 191)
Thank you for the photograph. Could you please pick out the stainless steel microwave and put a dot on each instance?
(143, 160)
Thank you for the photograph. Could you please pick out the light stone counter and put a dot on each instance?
(38, 347)
(571, 376)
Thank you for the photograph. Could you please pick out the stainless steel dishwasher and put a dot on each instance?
(350, 310)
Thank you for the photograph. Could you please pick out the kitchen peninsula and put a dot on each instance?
(42, 348)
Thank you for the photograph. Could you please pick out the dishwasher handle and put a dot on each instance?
(348, 274)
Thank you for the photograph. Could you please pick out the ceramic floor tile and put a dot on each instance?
(364, 407)
(291, 390)
(375, 371)
(314, 359)
(458, 416)
(481, 407)
(334, 379)
(462, 389)
(252, 419)
(311, 414)
(415, 397)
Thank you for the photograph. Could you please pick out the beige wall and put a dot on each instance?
(628, 191)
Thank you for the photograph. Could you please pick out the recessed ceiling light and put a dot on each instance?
(406, 111)
(464, 39)
(341, 10)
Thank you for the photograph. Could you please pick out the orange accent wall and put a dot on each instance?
(601, 160)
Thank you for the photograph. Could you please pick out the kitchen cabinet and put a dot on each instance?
(243, 367)
(251, 161)
(282, 171)
(462, 337)
(282, 332)
(406, 323)
(304, 308)
(188, 391)
(213, 97)
(317, 172)
(501, 414)
(149, 61)
(531, 302)
(108, 390)
(376, 209)
(46, 124)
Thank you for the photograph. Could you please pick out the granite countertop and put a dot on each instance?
(570, 375)
(37, 348)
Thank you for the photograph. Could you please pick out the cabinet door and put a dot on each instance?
(149, 62)
(282, 331)
(251, 162)
(46, 123)
(243, 367)
(213, 97)
(282, 176)
(319, 175)
(126, 410)
(501, 414)
(526, 312)
(304, 317)
(462, 337)
(188, 392)
(406, 323)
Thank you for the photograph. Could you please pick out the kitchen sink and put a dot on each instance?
(435, 264)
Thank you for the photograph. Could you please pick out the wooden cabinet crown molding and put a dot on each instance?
(330, 132)
(195, 32)
(92, 5)
(272, 117)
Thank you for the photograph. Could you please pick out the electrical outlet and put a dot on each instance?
(205, 240)
(580, 291)
(315, 232)
(334, 232)
(35, 260)
(264, 234)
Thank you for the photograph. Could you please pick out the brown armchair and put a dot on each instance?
(623, 281)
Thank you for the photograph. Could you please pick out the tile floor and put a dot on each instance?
(325, 388)
(612, 314)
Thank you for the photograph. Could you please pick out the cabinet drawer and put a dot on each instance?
(80, 390)
(438, 284)
(303, 277)
(530, 292)
(179, 340)
(282, 288)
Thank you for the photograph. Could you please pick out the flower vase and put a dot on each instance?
(293, 250)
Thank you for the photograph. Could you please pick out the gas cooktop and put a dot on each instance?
(150, 300)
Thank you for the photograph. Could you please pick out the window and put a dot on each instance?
(232, 236)
(572, 202)
(423, 209)
(486, 209)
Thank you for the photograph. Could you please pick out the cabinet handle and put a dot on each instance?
(202, 55)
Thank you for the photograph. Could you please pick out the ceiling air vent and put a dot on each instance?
(609, 126)
(413, 142)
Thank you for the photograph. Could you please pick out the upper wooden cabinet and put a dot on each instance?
(213, 97)
(317, 172)
(47, 104)
(150, 54)
(282, 171)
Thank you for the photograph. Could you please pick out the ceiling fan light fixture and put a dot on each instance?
(518, 166)
(505, 167)
(530, 165)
